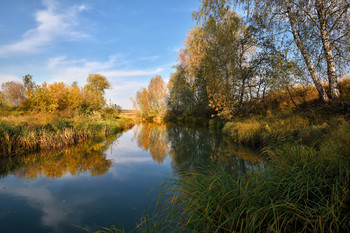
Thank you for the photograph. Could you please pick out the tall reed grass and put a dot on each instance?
(17, 137)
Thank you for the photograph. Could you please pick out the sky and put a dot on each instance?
(127, 41)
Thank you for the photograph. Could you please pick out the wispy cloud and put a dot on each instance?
(52, 23)
(125, 82)
(130, 73)
(78, 70)
(149, 58)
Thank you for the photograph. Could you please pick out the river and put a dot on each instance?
(107, 182)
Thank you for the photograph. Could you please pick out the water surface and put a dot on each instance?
(106, 182)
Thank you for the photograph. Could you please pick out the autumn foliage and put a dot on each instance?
(57, 96)
(150, 102)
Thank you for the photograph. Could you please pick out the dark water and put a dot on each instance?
(106, 183)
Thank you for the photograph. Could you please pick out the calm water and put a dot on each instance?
(106, 183)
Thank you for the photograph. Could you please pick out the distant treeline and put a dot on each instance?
(57, 96)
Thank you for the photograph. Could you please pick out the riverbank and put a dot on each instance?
(43, 131)
(301, 189)
(307, 126)
(304, 186)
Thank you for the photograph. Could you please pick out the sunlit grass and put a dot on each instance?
(25, 134)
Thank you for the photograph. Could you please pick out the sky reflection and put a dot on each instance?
(103, 183)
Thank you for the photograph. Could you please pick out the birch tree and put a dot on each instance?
(318, 28)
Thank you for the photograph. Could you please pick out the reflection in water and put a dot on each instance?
(188, 148)
(54, 211)
(89, 156)
(191, 148)
(89, 185)
(154, 139)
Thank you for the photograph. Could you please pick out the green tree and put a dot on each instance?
(93, 93)
(180, 99)
(97, 83)
(219, 59)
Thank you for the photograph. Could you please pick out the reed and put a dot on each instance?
(18, 137)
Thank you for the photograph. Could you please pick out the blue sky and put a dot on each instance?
(128, 41)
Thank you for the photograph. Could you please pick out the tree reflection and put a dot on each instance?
(154, 139)
(189, 149)
(89, 156)
(193, 148)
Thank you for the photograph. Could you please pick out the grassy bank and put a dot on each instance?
(44, 131)
(304, 126)
(301, 190)
(305, 187)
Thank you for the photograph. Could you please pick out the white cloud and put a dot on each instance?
(78, 70)
(52, 23)
(126, 86)
(130, 73)
(125, 82)
(9, 77)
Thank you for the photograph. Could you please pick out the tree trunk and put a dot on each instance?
(310, 67)
(331, 70)
(242, 91)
